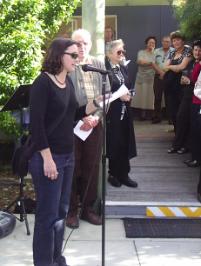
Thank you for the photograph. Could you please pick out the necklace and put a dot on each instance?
(61, 83)
(119, 75)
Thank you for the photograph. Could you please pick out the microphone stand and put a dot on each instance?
(103, 168)
(103, 73)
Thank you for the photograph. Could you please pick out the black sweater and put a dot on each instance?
(47, 104)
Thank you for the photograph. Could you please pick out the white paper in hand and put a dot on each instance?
(117, 94)
(126, 62)
(83, 135)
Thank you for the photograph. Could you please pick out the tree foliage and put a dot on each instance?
(188, 13)
(25, 27)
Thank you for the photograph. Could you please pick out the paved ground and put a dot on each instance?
(84, 248)
(162, 178)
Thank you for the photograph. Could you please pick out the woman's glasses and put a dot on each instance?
(73, 55)
(123, 52)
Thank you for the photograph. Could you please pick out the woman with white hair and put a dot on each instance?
(120, 139)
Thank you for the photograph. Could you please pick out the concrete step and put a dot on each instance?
(121, 209)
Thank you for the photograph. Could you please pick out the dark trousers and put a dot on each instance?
(195, 132)
(119, 164)
(183, 118)
(86, 173)
(158, 94)
(174, 100)
(52, 198)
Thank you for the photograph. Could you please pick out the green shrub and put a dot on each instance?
(188, 13)
(25, 27)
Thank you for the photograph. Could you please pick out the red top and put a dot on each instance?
(194, 76)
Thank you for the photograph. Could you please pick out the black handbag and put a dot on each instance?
(21, 157)
(23, 154)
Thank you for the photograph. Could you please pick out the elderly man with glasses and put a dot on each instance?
(87, 85)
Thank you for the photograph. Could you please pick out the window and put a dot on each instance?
(76, 23)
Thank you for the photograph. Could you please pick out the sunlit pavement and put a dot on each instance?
(84, 248)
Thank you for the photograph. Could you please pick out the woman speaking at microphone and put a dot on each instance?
(53, 107)
(120, 139)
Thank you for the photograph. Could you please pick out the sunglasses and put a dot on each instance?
(123, 52)
(73, 55)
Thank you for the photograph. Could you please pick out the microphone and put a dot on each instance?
(87, 67)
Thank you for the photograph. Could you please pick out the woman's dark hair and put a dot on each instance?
(52, 62)
(177, 35)
(196, 43)
(149, 38)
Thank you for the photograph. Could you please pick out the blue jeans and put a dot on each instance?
(52, 198)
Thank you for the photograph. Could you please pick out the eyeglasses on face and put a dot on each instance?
(73, 55)
(123, 52)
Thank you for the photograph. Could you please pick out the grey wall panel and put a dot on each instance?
(135, 23)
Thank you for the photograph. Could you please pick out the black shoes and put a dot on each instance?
(129, 182)
(142, 118)
(193, 163)
(182, 150)
(114, 181)
(172, 150)
(117, 183)
(156, 120)
(179, 151)
(187, 161)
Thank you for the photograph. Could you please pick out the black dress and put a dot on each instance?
(120, 138)
(173, 87)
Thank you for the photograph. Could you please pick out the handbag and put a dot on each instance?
(23, 154)
(197, 88)
(21, 157)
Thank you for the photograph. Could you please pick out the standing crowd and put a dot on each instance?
(168, 76)
(64, 168)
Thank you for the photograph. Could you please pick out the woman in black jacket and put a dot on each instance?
(120, 139)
